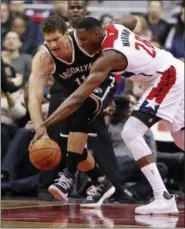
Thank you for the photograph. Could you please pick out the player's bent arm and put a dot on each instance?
(42, 65)
(109, 61)
(128, 21)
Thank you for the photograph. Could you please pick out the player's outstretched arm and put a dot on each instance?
(128, 21)
(109, 61)
(41, 66)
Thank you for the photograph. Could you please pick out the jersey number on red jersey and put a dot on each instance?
(149, 48)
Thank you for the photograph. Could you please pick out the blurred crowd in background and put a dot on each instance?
(21, 39)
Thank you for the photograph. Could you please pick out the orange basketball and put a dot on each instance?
(45, 154)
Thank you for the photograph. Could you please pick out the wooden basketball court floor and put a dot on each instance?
(56, 214)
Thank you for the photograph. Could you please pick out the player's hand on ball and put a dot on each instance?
(41, 132)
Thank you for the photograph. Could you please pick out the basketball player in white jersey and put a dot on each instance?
(163, 78)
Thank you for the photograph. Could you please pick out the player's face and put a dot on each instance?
(89, 40)
(76, 11)
(56, 40)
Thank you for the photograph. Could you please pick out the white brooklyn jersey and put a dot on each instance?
(145, 62)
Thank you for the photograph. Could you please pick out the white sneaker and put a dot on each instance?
(165, 204)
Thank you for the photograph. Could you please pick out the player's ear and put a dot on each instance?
(97, 34)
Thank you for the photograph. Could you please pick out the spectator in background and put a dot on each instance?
(175, 39)
(109, 112)
(20, 26)
(106, 19)
(124, 106)
(17, 8)
(21, 62)
(157, 25)
(12, 109)
(17, 172)
(7, 85)
(60, 9)
(5, 19)
(142, 29)
(76, 12)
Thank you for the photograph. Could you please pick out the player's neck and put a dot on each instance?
(65, 53)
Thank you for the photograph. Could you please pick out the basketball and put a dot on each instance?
(45, 154)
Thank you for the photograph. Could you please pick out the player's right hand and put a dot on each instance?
(40, 132)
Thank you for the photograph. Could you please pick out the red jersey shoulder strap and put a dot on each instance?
(110, 38)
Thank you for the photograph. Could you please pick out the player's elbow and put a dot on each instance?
(130, 21)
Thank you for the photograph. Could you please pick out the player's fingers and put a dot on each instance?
(32, 142)
(35, 138)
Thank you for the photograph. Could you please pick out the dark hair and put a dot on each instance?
(53, 23)
(89, 23)
(160, 1)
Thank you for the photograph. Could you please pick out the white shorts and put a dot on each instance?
(164, 98)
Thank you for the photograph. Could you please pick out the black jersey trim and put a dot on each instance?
(81, 49)
(109, 87)
(118, 72)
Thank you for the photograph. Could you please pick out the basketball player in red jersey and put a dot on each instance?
(163, 78)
